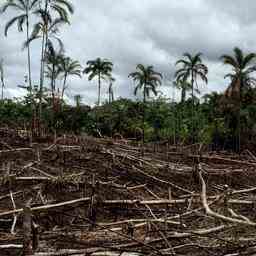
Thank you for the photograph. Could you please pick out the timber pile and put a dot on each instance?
(86, 196)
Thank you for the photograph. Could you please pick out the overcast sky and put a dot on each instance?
(151, 32)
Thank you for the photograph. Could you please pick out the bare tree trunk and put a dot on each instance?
(193, 109)
(239, 126)
(41, 79)
(53, 86)
(64, 86)
(2, 94)
(99, 85)
(29, 74)
(144, 103)
(27, 232)
(183, 95)
(43, 50)
(29, 57)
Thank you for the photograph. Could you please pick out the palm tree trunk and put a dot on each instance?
(28, 53)
(239, 126)
(64, 86)
(109, 93)
(183, 95)
(52, 85)
(99, 85)
(144, 105)
(43, 50)
(41, 77)
(193, 108)
(2, 95)
(29, 69)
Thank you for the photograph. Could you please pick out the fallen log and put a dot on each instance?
(216, 159)
(200, 232)
(13, 154)
(115, 202)
(47, 207)
(11, 246)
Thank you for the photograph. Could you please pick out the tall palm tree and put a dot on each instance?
(68, 67)
(2, 77)
(51, 27)
(25, 8)
(60, 7)
(192, 68)
(243, 66)
(100, 68)
(147, 80)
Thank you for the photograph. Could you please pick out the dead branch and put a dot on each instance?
(217, 215)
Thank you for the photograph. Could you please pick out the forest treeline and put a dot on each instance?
(225, 120)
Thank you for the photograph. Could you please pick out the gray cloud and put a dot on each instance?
(128, 32)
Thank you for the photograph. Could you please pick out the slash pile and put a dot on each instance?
(87, 196)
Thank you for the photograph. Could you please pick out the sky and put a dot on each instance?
(129, 32)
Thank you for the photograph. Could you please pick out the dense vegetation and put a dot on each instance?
(225, 120)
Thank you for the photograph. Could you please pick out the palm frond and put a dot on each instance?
(229, 60)
(65, 4)
(12, 21)
(11, 5)
(248, 59)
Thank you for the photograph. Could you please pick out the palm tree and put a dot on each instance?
(243, 66)
(24, 8)
(147, 80)
(2, 77)
(63, 8)
(51, 27)
(192, 67)
(100, 68)
(68, 67)
(48, 26)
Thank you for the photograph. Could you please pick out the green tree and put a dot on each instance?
(24, 8)
(147, 80)
(100, 68)
(243, 66)
(68, 67)
(192, 68)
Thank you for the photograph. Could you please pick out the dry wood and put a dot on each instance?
(217, 215)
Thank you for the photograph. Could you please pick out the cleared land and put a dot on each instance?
(84, 196)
